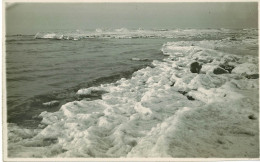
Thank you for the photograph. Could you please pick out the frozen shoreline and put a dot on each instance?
(165, 111)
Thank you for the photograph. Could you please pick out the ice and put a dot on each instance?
(139, 59)
(246, 68)
(164, 111)
(51, 103)
(90, 90)
(16, 134)
(49, 36)
(125, 33)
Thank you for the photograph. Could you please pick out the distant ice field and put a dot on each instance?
(131, 93)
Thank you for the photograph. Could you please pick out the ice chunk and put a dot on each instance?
(51, 103)
(139, 59)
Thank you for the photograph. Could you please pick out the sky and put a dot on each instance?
(30, 18)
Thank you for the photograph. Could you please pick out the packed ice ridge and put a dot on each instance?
(164, 111)
(144, 33)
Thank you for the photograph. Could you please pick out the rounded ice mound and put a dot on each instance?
(246, 68)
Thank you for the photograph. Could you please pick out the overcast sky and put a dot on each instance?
(30, 18)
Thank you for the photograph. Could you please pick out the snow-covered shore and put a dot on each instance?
(164, 111)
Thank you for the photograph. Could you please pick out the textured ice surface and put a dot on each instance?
(164, 111)
(192, 34)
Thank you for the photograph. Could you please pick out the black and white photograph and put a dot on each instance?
(130, 80)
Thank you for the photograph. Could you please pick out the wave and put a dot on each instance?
(184, 106)
(124, 33)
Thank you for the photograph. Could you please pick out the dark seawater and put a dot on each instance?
(42, 70)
